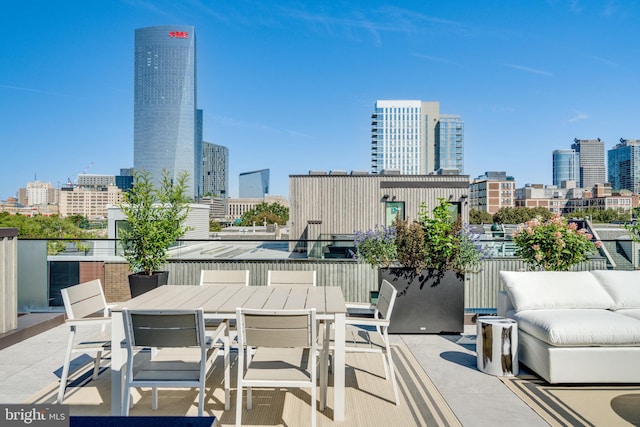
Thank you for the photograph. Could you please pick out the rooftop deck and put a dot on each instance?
(430, 368)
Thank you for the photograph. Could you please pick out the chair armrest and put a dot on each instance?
(360, 308)
(218, 334)
(366, 321)
(89, 321)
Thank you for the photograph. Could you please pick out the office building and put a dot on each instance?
(255, 184)
(89, 203)
(413, 138)
(492, 191)
(39, 193)
(165, 103)
(591, 161)
(566, 166)
(215, 167)
(624, 165)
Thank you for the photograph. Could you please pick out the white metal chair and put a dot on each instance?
(291, 278)
(285, 355)
(85, 306)
(369, 334)
(181, 354)
(224, 277)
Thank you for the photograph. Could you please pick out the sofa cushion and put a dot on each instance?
(580, 327)
(623, 286)
(631, 312)
(539, 290)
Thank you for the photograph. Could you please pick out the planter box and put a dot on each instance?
(139, 283)
(425, 304)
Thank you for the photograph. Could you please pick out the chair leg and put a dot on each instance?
(154, 398)
(201, 399)
(126, 401)
(65, 367)
(239, 405)
(384, 363)
(227, 375)
(392, 372)
(96, 365)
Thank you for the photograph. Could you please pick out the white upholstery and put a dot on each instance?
(580, 327)
(576, 327)
(623, 286)
(538, 290)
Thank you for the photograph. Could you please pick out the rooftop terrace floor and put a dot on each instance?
(476, 399)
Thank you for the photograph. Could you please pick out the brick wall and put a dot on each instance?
(116, 282)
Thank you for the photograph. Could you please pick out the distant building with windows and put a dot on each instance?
(414, 138)
(164, 107)
(38, 193)
(89, 203)
(96, 181)
(591, 161)
(624, 165)
(492, 191)
(566, 166)
(254, 185)
(215, 170)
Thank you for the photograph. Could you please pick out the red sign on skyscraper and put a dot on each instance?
(179, 34)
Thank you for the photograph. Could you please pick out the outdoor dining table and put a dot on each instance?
(220, 302)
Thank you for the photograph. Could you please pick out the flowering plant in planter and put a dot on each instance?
(553, 245)
(437, 242)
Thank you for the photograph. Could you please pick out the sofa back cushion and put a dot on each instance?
(540, 290)
(623, 286)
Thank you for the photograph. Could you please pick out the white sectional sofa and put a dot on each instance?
(576, 327)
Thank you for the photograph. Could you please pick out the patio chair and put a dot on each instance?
(224, 277)
(85, 307)
(370, 335)
(291, 278)
(285, 352)
(181, 354)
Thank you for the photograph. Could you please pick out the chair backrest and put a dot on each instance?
(84, 299)
(164, 328)
(291, 278)
(277, 328)
(386, 299)
(224, 277)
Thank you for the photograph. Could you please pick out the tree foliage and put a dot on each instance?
(476, 216)
(521, 214)
(44, 227)
(273, 213)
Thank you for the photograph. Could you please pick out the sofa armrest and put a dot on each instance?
(504, 303)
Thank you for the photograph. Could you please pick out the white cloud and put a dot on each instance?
(528, 69)
(578, 117)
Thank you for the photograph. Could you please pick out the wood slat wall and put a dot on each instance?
(356, 279)
(8, 279)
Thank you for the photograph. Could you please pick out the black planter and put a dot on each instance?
(139, 283)
(429, 302)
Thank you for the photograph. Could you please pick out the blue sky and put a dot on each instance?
(290, 85)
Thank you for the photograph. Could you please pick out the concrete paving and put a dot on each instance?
(476, 398)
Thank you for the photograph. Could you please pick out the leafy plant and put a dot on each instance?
(436, 241)
(554, 244)
(377, 246)
(155, 218)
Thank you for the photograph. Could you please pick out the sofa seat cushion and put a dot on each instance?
(623, 286)
(631, 312)
(580, 327)
(540, 290)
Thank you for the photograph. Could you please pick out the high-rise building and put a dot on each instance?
(566, 166)
(591, 163)
(165, 103)
(215, 166)
(414, 138)
(255, 184)
(624, 165)
(449, 151)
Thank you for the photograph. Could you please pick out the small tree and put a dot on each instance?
(155, 218)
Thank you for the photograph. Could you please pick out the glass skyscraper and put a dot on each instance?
(414, 138)
(215, 164)
(624, 166)
(565, 166)
(254, 185)
(165, 103)
(592, 167)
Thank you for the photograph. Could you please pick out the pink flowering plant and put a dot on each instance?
(553, 245)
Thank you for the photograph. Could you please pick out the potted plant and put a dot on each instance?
(553, 245)
(426, 260)
(155, 217)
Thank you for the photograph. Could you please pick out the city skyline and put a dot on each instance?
(290, 86)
